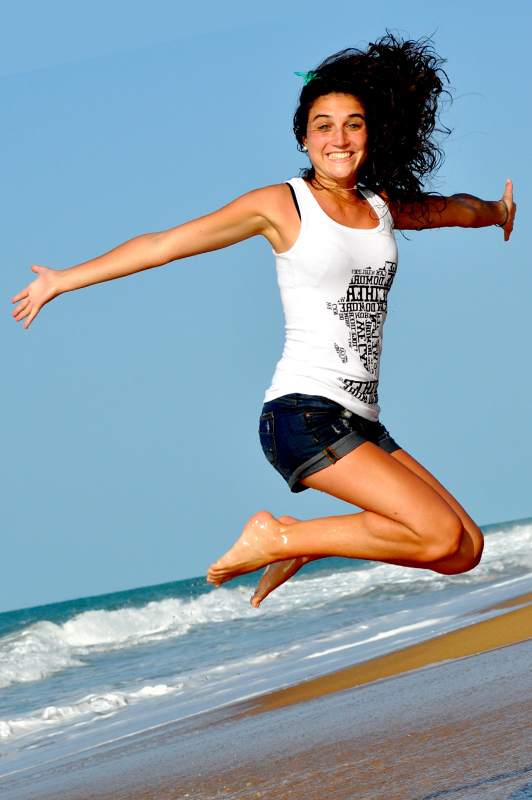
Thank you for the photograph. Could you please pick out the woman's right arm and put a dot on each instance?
(252, 214)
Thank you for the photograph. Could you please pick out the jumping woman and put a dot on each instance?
(366, 120)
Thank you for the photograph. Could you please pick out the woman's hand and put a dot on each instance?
(508, 198)
(31, 299)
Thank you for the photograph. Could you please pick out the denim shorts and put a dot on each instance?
(302, 434)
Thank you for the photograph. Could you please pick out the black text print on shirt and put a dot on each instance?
(363, 310)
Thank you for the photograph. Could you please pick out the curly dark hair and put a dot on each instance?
(400, 84)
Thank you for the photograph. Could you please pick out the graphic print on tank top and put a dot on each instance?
(363, 310)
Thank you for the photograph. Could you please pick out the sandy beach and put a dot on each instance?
(450, 717)
(514, 626)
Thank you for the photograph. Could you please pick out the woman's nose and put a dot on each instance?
(339, 137)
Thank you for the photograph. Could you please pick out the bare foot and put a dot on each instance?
(274, 575)
(258, 546)
(277, 573)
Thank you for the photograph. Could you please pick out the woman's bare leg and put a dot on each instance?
(280, 571)
(405, 521)
(473, 542)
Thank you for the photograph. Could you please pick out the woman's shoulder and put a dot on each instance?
(275, 189)
(276, 197)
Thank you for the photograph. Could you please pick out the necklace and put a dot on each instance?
(327, 189)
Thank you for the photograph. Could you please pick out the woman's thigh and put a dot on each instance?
(414, 466)
(392, 485)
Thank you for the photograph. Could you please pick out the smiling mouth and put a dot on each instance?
(339, 156)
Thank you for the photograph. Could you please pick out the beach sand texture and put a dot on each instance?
(451, 717)
(509, 628)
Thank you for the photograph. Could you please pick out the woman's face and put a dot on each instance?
(337, 137)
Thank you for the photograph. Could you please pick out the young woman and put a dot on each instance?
(366, 120)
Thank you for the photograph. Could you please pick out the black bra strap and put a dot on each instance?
(294, 199)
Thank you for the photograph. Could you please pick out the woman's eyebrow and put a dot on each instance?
(329, 116)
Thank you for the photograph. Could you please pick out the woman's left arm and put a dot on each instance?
(459, 210)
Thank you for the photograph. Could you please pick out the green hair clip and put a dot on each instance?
(307, 76)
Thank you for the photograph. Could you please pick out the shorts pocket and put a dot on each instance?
(267, 437)
(328, 425)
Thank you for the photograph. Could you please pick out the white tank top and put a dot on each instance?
(334, 286)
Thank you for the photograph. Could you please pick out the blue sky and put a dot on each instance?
(130, 452)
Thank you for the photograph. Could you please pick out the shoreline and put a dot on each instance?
(508, 628)
(388, 740)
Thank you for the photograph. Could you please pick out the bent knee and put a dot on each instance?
(467, 566)
(443, 540)
(467, 558)
(471, 559)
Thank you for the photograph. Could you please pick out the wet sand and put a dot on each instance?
(509, 628)
(451, 717)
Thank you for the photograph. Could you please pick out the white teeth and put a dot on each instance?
(338, 156)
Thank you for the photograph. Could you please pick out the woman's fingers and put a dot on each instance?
(22, 312)
(21, 307)
(27, 312)
(508, 198)
(31, 317)
(508, 191)
(20, 295)
(23, 303)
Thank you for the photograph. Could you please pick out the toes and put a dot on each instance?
(212, 577)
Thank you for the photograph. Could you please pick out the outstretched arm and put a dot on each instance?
(460, 210)
(252, 214)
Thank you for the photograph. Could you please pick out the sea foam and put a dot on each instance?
(92, 705)
(45, 648)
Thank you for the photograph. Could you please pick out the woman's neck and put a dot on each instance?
(347, 194)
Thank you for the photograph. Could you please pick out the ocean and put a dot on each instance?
(83, 673)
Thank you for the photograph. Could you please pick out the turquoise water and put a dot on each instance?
(93, 670)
